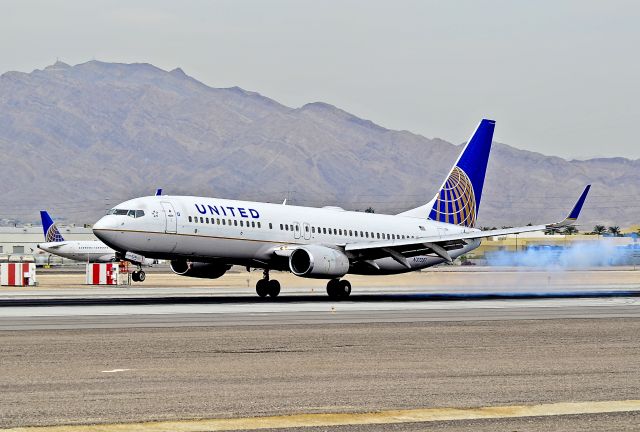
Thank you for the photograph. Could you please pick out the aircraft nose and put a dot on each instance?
(106, 229)
(102, 224)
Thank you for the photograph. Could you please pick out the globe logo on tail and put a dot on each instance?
(456, 202)
(53, 235)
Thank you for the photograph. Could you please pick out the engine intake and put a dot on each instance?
(199, 269)
(318, 262)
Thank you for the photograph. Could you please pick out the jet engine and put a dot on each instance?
(320, 262)
(199, 269)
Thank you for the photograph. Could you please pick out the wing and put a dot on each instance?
(400, 250)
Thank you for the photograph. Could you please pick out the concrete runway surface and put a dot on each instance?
(573, 353)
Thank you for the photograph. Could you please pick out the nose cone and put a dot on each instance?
(105, 230)
(106, 222)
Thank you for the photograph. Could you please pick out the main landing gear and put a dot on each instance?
(338, 288)
(267, 287)
(138, 275)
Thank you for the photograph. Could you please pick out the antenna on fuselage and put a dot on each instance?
(158, 192)
(284, 202)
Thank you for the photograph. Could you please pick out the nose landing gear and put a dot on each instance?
(267, 287)
(338, 288)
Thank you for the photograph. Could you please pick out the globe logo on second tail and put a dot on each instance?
(53, 235)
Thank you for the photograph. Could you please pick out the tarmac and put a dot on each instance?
(453, 349)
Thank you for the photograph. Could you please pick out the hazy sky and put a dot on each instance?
(560, 77)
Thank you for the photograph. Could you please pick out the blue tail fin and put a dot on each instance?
(458, 200)
(51, 233)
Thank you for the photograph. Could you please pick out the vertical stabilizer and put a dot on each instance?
(458, 200)
(51, 233)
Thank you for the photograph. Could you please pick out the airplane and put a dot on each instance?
(93, 251)
(203, 237)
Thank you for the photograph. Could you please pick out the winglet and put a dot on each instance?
(575, 212)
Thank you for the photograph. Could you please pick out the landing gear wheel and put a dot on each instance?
(141, 276)
(333, 288)
(338, 289)
(274, 288)
(262, 288)
(344, 288)
(134, 276)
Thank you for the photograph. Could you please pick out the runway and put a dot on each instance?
(563, 358)
(256, 312)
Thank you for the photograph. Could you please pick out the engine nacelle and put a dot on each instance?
(199, 269)
(320, 262)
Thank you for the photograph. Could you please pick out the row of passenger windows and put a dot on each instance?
(345, 232)
(230, 222)
(296, 227)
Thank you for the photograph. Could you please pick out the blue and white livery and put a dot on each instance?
(203, 237)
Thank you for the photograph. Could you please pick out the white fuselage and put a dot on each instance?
(248, 233)
(93, 251)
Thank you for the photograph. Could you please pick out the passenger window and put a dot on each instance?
(281, 228)
(190, 219)
(306, 228)
(361, 234)
(350, 233)
(297, 227)
(340, 231)
(367, 234)
(258, 224)
(270, 226)
(235, 223)
(253, 224)
(324, 230)
(207, 220)
(242, 223)
(313, 230)
(201, 219)
(286, 226)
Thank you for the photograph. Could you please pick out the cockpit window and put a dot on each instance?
(125, 212)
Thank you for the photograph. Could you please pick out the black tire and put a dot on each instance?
(262, 288)
(141, 276)
(134, 276)
(274, 288)
(344, 288)
(333, 288)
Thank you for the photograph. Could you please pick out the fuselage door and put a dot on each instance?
(306, 231)
(171, 221)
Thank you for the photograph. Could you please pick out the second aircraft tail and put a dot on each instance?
(51, 232)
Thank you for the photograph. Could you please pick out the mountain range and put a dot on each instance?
(79, 139)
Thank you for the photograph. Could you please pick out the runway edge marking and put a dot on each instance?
(420, 415)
